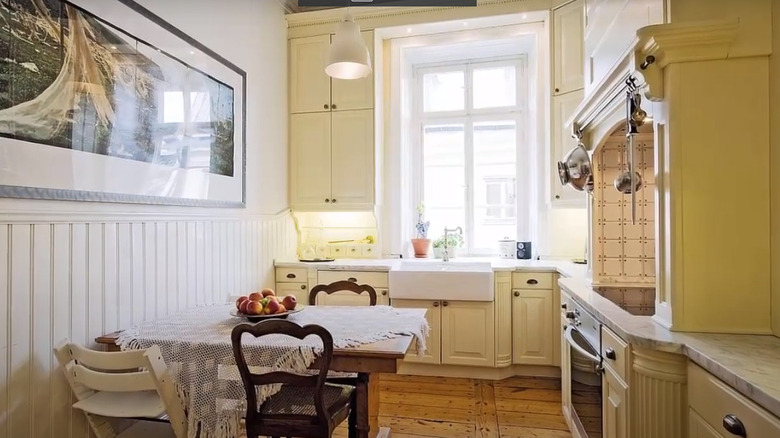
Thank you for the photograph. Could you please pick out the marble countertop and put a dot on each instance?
(748, 363)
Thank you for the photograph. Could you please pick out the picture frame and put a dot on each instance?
(105, 101)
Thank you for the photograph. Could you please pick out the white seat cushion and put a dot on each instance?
(139, 404)
(148, 429)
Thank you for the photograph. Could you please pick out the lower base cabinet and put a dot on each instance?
(532, 327)
(300, 290)
(347, 298)
(614, 407)
(698, 428)
(461, 332)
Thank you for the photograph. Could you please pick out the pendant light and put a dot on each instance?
(348, 56)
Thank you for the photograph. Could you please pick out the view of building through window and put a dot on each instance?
(470, 117)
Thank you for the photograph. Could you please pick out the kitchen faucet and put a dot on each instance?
(445, 255)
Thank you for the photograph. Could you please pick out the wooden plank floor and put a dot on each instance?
(426, 407)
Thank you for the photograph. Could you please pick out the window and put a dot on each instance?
(470, 117)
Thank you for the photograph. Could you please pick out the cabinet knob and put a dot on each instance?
(303, 287)
(290, 275)
(435, 304)
(733, 426)
(384, 292)
(557, 196)
(326, 106)
(532, 281)
(333, 106)
(445, 304)
(333, 201)
(517, 294)
(557, 90)
(610, 354)
(352, 279)
(327, 200)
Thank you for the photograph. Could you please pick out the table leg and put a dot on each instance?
(362, 405)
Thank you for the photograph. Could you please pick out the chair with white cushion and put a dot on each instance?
(127, 394)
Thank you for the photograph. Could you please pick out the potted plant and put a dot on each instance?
(422, 242)
(454, 241)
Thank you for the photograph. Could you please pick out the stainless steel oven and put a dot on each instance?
(582, 335)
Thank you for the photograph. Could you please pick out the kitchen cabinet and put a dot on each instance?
(568, 24)
(532, 326)
(300, 290)
(565, 368)
(347, 298)
(433, 342)
(614, 407)
(332, 160)
(311, 90)
(698, 428)
(503, 310)
(467, 333)
(561, 142)
(375, 279)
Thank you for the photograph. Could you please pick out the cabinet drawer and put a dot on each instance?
(532, 280)
(713, 400)
(614, 347)
(371, 278)
(291, 275)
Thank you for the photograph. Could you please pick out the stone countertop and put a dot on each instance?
(748, 363)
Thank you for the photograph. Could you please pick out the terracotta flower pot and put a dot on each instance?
(421, 247)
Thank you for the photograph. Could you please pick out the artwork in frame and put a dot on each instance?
(102, 100)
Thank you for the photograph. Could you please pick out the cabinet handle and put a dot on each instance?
(325, 106)
(517, 294)
(384, 292)
(532, 281)
(333, 201)
(303, 287)
(445, 304)
(435, 304)
(733, 426)
(352, 279)
(609, 353)
(333, 106)
(327, 200)
(290, 275)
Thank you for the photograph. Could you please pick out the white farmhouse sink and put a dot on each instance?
(458, 281)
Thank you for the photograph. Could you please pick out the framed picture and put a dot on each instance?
(101, 100)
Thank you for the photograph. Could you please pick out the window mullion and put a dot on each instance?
(469, 151)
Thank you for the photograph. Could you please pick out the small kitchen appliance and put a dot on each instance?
(524, 250)
(506, 248)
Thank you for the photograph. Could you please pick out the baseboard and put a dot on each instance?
(484, 373)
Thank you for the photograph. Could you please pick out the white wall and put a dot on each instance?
(77, 270)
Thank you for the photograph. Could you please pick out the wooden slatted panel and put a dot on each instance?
(77, 280)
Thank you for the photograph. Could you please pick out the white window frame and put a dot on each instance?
(519, 113)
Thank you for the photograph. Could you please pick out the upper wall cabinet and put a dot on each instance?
(311, 90)
(568, 56)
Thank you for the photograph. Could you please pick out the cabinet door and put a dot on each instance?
(351, 94)
(468, 333)
(565, 370)
(698, 428)
(300, 290)
(561, 142)
(352, 157)
(532, 327)
(343, 298)
(503, 309)
(614, 409)
(568, 55)
(310, 178)
(309, 85)
(433, 315)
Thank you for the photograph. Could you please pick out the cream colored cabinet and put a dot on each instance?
(502, 303)
(311, 90)
(614, 393)
(300, 290)
(467, 333)
(568, 52)
(698, 428)
(375, 279)
(346, 298)
(561, 142)
(565, 369)
(332, 160)
(433, 342)
(532, 326)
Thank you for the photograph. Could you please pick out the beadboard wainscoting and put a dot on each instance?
(61, 279)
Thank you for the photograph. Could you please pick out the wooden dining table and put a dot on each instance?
(366, 360)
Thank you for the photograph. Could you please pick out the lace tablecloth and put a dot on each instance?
(196, 346)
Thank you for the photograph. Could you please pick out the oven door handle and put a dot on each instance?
(578, 347)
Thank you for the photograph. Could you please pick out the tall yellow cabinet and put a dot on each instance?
(332, 156)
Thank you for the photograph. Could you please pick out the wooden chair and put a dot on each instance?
(342, 285)
(306, 406)
(127, 394)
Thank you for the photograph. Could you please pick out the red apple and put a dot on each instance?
(272, 307)
(282, 309)
(240, 300)
(255, 296)
(254, 308)
(242, 307)
(268, 292)
(289, 302)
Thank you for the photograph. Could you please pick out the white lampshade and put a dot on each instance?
(348, 56)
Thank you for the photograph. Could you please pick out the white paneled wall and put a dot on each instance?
(79, 280)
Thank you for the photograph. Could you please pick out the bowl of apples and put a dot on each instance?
(258, 306)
